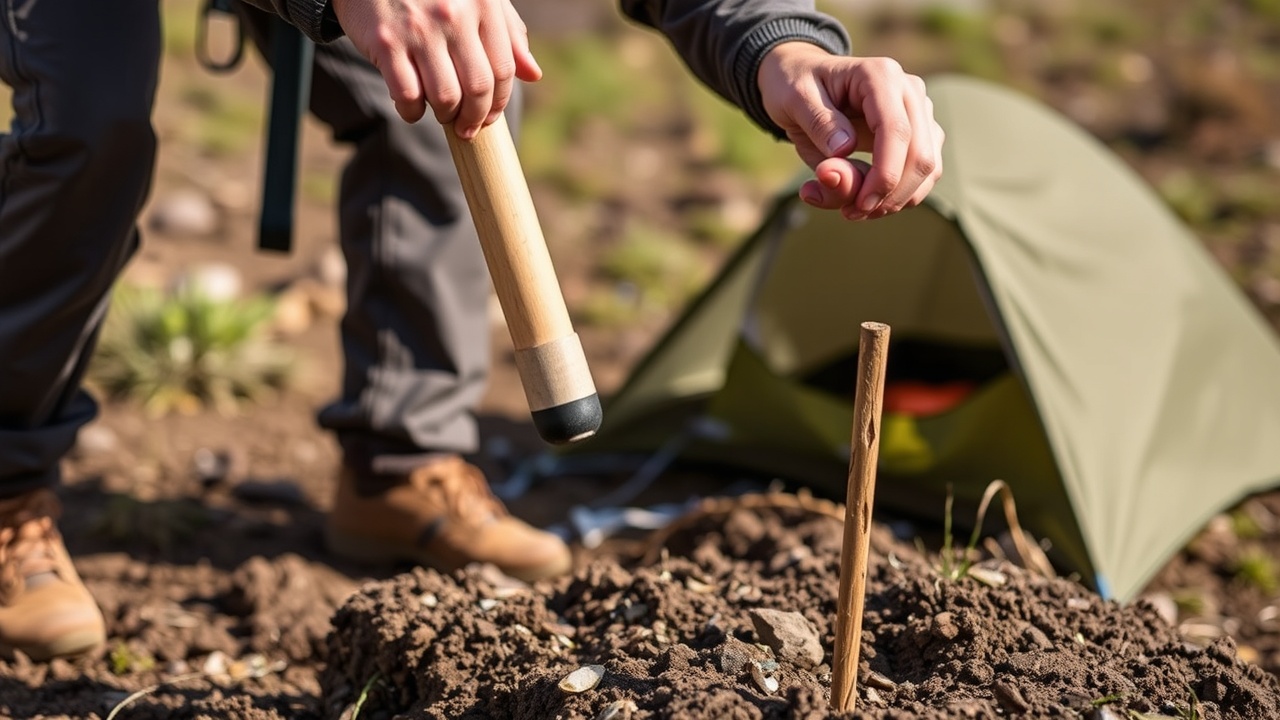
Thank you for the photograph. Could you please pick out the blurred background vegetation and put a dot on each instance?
(645, 181)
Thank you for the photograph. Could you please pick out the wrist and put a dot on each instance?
(815, 32)
(785, 53)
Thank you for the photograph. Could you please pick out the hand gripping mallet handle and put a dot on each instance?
(549, 357)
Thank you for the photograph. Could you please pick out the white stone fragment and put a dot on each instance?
(582, 679)
(766, 683)
(619, 710)
(987, 576)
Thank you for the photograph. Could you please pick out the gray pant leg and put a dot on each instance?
(416, 333)
(74, 171)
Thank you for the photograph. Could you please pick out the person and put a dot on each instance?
(77, 166)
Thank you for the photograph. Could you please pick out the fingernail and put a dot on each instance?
(837, 141)
(870, 202)
(810, 195)
(852, 213)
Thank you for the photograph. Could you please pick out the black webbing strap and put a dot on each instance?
(291, 54)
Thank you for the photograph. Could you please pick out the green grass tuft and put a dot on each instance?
(185, 351)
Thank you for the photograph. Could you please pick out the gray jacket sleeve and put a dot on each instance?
(724, 41)
(314, 18)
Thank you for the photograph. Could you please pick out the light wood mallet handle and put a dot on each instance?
(548, 353)
(873, 351)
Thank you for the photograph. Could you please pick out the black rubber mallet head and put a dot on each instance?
(549, 357)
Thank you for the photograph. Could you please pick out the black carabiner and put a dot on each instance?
(226, 8)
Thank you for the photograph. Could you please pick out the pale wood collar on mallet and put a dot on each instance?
(548, 353)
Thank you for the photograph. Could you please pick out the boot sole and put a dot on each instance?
(67, 646)
(376, 552)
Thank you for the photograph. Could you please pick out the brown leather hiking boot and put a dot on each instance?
(443, 516)
(45, 611)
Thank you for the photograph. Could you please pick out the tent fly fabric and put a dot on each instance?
(1054, 326)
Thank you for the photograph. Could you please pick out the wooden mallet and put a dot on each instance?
(873, 350)
(548, 353)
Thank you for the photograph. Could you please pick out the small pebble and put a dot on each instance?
(876, 680)
(988, 577)
(1009, 697)
(619, 710)
(696, 585)
(1105, 713)
(766, 683)
(582, 679)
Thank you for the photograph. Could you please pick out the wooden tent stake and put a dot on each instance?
(873, 350)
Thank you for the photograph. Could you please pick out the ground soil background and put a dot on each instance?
(199, 533)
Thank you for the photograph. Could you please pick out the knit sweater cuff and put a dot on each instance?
(760, 41)
(315, 18)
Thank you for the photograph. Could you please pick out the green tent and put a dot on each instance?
(1109, 371)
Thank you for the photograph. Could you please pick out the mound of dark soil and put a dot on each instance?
(676, 639)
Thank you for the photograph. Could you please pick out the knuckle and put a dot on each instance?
(478, 86)
(897, 129)
(889, 180)
(383, 43)
(504, 71)
(887, 66)
(925, 166)
(445, 11)
(447, 100)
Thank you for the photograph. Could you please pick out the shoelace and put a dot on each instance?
(464, 490)
(27, 534)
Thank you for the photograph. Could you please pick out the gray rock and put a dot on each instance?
(216, 281)
(96, 439)
(184, 212)
(790, 636)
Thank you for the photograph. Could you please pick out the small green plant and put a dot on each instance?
(1254, 567)
(1106, 700)
(125, 659)
(159, 524)
(231, 125)
(1192, 711)
(954, 564)
(374, 681)
(185, 351)
(1192, 198)
(1190, 602)
(608, 308)
(1244, 525)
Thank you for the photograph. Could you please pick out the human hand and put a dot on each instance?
(458, 56)
(831, 106)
